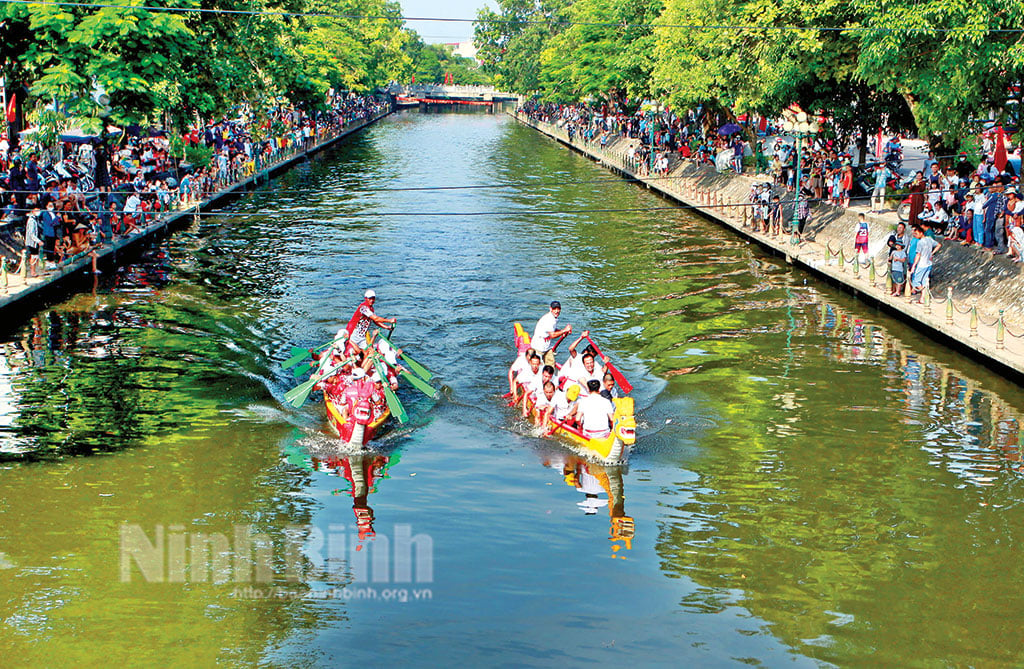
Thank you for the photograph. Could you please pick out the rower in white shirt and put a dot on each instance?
(521, 364)
(545, 402)
(527, 378)
(596, 414)
(573, 368)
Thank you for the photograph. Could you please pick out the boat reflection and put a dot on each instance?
(601, 487)
(363, 471)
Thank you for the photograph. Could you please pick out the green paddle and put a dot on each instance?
(397, 410)
(422, 371)
(302, 369)
(298, 395)
(419, 384)
(300, 354)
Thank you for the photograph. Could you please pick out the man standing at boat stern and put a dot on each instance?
(361, 320)
(546, 333)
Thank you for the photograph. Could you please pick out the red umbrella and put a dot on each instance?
(1000, 155)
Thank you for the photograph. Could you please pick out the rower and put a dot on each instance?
(571, 368)
(590, 371)
(545, 402)
(564, 403)
(525, 377)
(522, 364)
(536, 388)
(596, 414)
(609, 392)
(361, 320)
(528, 378)
(546, 332)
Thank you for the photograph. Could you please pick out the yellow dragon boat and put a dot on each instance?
(611, 449)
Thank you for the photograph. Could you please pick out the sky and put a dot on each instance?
(434, 32)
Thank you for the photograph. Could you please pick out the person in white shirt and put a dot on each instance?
(536, 386)
(596, 414)
(526, 378)
(521, 364)
(589, 370)
(546, 332)
(545, 402)
(573, 367)
(564, 402)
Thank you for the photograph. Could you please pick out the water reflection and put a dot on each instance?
(602, 488)
(364, 472)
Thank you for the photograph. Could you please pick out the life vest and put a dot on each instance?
(356, 317)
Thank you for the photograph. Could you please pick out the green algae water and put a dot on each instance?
(813, 483)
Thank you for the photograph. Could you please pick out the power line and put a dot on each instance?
(527, 21)
(510, 184)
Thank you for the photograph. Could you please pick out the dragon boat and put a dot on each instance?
(611, 449)
(369, 412)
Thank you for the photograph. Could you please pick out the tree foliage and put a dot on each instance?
(150, 61)
(925, 65)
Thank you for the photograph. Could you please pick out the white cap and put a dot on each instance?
(375, 377)
(369, 293)
(342, 335)
(358, 373)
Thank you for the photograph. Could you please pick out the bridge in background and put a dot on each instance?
(427, 95)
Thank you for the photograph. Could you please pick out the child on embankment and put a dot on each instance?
(860, 242)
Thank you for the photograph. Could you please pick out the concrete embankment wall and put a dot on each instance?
(21, 296)
(976, 301)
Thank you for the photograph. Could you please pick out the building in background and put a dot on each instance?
(464, 49)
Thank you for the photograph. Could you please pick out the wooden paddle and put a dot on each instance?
(626, 386)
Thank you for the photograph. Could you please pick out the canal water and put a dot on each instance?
(813, 482)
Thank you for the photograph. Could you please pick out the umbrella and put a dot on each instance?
(729, 129)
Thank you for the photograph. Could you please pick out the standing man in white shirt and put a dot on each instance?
(546, 332)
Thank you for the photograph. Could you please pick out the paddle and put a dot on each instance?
(420, 370)
(397, 410)
(626, 386)
(297, 395)
(300, 354)
(419, 384)
(559, 341)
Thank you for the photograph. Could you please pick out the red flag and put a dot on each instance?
(878, 145)
(12, 112)
(1000, 155)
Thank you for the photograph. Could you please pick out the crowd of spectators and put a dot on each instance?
(100, 191)
(973, 203)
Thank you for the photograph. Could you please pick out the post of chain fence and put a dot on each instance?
(949, 305)
(974, 320)
(1000, 331)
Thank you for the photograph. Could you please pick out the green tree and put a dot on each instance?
(510, 40)
(951, 64)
